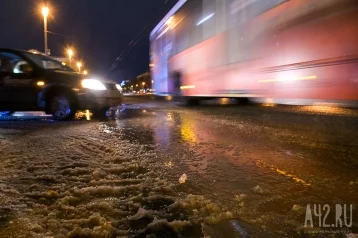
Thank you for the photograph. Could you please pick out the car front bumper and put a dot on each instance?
(97, 99)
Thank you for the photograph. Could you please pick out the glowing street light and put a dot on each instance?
(85, 72)
(79, 65)
(70, 55)
(45, 12)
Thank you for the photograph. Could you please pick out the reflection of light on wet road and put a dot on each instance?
(86, 114)
(28, 114)
(24, 115)
(282, 172)
(170, 116)
(162, 131)
(190, 132)
(186, 130)
(325, 109)
(273, 165)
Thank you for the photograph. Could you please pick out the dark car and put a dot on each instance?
(34, 81)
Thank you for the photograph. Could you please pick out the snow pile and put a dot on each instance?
(99, 185)
(201, 209)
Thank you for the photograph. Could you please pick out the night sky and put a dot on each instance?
(99, 30)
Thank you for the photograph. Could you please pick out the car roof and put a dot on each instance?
(18, 51)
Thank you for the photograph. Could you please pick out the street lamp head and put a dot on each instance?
(143, 83)
(70, 52)
(45, 11)
(79, 64)
(85, 72)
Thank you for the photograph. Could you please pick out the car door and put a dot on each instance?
(17, 83)
(5, 74)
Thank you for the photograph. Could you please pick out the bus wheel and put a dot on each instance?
(192, 101)
(242, 101)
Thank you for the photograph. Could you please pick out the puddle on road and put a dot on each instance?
(263, 185)
(224, 167)
(241, 185)
(170, 135)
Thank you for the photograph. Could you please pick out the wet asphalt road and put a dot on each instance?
(251, 171)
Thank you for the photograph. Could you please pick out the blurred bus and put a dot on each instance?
(277, 51)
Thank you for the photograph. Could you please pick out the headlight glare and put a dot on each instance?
(119, 87)
(93, 84)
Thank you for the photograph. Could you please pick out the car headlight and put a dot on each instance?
(93, 84)
(119, 87)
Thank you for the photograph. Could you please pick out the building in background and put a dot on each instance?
(144, 80)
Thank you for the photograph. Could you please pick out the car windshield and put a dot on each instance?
(47, 62)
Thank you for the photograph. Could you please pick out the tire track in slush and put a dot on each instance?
(83, 182)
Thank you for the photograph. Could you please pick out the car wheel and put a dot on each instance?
(62, 107)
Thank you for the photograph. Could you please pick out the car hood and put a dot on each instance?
(67, 73)
(81, 76)
(102, 79)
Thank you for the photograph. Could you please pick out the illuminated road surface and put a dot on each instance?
(168, 170)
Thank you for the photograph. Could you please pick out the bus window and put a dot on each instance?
(220, 16)
(196, 20)
(242, 41)
(182, 25)
(158, 42)
(209, 18)
(240, 11)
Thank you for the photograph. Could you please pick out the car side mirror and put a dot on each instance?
(25, 68)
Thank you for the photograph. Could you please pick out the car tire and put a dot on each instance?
(62, 107)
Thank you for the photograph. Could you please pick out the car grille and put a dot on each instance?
(110, 86)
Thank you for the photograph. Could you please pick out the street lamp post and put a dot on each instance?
(70, 54)
(79, 65)
(45, 12)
